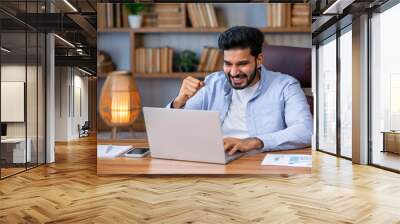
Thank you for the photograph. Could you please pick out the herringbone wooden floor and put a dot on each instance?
(70, 192)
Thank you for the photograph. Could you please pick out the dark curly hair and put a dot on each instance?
(242, 37)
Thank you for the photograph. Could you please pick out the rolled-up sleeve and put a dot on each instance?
(298, 119)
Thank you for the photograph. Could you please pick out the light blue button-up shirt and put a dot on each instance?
(278, 113)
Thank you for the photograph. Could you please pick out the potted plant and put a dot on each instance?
(187, 61)
(135, 19)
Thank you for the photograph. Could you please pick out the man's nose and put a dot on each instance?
(235, 71)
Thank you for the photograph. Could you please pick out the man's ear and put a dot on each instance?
(260, 60)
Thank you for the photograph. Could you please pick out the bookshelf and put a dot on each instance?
(136, 34)
(158, 88)
(196, 19)
(279, 24)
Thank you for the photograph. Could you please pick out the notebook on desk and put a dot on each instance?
(112, 151)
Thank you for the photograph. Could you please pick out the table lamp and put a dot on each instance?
(120, 102)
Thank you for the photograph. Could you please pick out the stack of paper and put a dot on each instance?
(112, 151)
(287, 160)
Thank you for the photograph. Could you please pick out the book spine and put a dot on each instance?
(109, 15)
(170, 59)
(137, 60)
(201, 16)
(101, 15)
(125, 14)
(207, 19)
(213, 16)
(149, 66)
(192, 15)
(203, 58)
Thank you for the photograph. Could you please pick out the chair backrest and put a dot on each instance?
(86, 125)
(294, 61)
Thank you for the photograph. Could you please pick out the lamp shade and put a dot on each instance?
(120, 102)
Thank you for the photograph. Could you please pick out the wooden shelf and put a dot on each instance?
(178, 75)
(114, 30)
(202, 30)
(286, 29)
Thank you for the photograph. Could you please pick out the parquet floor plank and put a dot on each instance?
(69, 191)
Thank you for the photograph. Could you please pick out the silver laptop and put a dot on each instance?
(191, 135)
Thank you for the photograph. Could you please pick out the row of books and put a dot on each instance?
(202, 15)
(288, 15)
(154, 60)
(172, 15)
(111, 15)
(211, 60)
(159, 15)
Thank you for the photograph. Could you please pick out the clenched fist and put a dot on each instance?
(189, 88)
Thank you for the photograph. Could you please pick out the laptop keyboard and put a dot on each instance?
(232, 157)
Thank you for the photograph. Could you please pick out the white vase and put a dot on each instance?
(135, 21)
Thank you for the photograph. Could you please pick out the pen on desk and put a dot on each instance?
(108, 148)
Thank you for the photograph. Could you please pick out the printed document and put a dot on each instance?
(297, 160)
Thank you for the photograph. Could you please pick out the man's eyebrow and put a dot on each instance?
(239, 62)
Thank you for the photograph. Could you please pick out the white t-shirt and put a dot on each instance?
(234, 124)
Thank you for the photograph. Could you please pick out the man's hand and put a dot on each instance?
(233, 145)
(189, 88)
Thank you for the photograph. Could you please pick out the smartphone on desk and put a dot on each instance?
(138, 152)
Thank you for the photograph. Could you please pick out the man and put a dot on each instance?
(259, 109)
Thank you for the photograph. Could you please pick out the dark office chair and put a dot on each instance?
(84, 129)
(294, 61)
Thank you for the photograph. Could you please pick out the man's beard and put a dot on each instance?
(249, 78)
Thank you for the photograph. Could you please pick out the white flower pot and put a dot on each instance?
(135, 21)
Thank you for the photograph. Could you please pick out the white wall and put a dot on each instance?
(33, 126)
(71, 87)
(16, 73)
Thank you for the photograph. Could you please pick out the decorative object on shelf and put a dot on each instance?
(187, 61)
(104, 63)
(171, 15)
(149, 19)
(165, 15)
(120, 102)
(135, 19)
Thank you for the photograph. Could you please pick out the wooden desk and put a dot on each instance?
(13, 150)
(248, 164)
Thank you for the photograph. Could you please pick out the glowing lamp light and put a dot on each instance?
(120, 102)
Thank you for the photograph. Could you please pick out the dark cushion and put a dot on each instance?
(294, 61)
